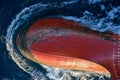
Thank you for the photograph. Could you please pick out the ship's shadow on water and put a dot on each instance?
(16, 16)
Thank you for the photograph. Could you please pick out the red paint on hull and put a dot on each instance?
(80, 47)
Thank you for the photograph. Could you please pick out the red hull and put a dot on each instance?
(78, 48)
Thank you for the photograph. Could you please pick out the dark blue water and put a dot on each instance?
(101, 15)
(8, 10)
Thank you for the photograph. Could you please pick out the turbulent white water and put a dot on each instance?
(102, 24)
(88, 19)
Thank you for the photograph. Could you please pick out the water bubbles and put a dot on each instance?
(30, 14)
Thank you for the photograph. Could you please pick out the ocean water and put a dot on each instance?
(100, 15)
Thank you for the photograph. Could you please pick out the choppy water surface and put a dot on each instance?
(95, 14)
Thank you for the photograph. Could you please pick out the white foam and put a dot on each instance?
(95, 1)
(21, 18)
(70, 2)
(87, 19)
(102, 24)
